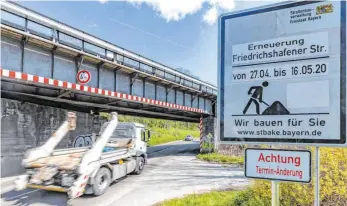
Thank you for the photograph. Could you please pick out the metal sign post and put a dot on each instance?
(201, 135)
(275, 197)
(317, 171)
(275, 184)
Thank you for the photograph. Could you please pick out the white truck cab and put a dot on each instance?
(126, 130)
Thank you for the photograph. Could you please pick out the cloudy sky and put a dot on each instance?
(177, 33)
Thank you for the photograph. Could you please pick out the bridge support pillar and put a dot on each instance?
(208, 134)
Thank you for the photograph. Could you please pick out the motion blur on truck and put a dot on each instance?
(119, 149)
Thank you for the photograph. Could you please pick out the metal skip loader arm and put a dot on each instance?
(89, 160)
(47, 149)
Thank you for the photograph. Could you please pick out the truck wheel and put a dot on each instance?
(102, 181)
(140, 164)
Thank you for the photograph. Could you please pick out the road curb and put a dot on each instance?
(168, 143)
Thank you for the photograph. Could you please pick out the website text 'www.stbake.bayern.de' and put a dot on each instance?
(272, 132)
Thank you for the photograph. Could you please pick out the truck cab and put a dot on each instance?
(131, 134)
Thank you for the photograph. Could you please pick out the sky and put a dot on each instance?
(176, 33)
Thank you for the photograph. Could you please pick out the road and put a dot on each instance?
(172, 171)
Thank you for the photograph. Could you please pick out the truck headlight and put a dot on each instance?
(30, 171)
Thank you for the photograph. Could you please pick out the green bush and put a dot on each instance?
(249, 197)
(221, 158)
(214, 198)
(159, 123)
(163, 135)
(163, 131)
(219, 198)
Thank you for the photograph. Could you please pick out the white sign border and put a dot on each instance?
(282, 180)
(220, 112)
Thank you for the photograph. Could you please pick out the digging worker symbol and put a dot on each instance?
(256, 96)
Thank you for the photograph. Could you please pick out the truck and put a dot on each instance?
(119, 149)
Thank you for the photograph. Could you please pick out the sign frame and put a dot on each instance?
(79, 80)
(284, 180)
(341, 142)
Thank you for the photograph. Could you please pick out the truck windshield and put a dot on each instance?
(120, 132)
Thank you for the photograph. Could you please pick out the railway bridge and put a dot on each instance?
(40, 59)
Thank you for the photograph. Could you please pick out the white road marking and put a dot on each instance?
(11, 198)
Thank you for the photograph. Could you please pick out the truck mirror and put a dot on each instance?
(143, 136)
(148, 135)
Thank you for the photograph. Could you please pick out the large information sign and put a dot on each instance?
(282, 74)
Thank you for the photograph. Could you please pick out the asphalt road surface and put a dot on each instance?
(172, 171)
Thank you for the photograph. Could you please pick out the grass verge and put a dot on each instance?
(214, 198)
(219, 198)
(220, 158)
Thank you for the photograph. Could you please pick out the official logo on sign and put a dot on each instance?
(83, 77)
(324, 9)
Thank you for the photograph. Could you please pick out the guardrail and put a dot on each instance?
(35, 28)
